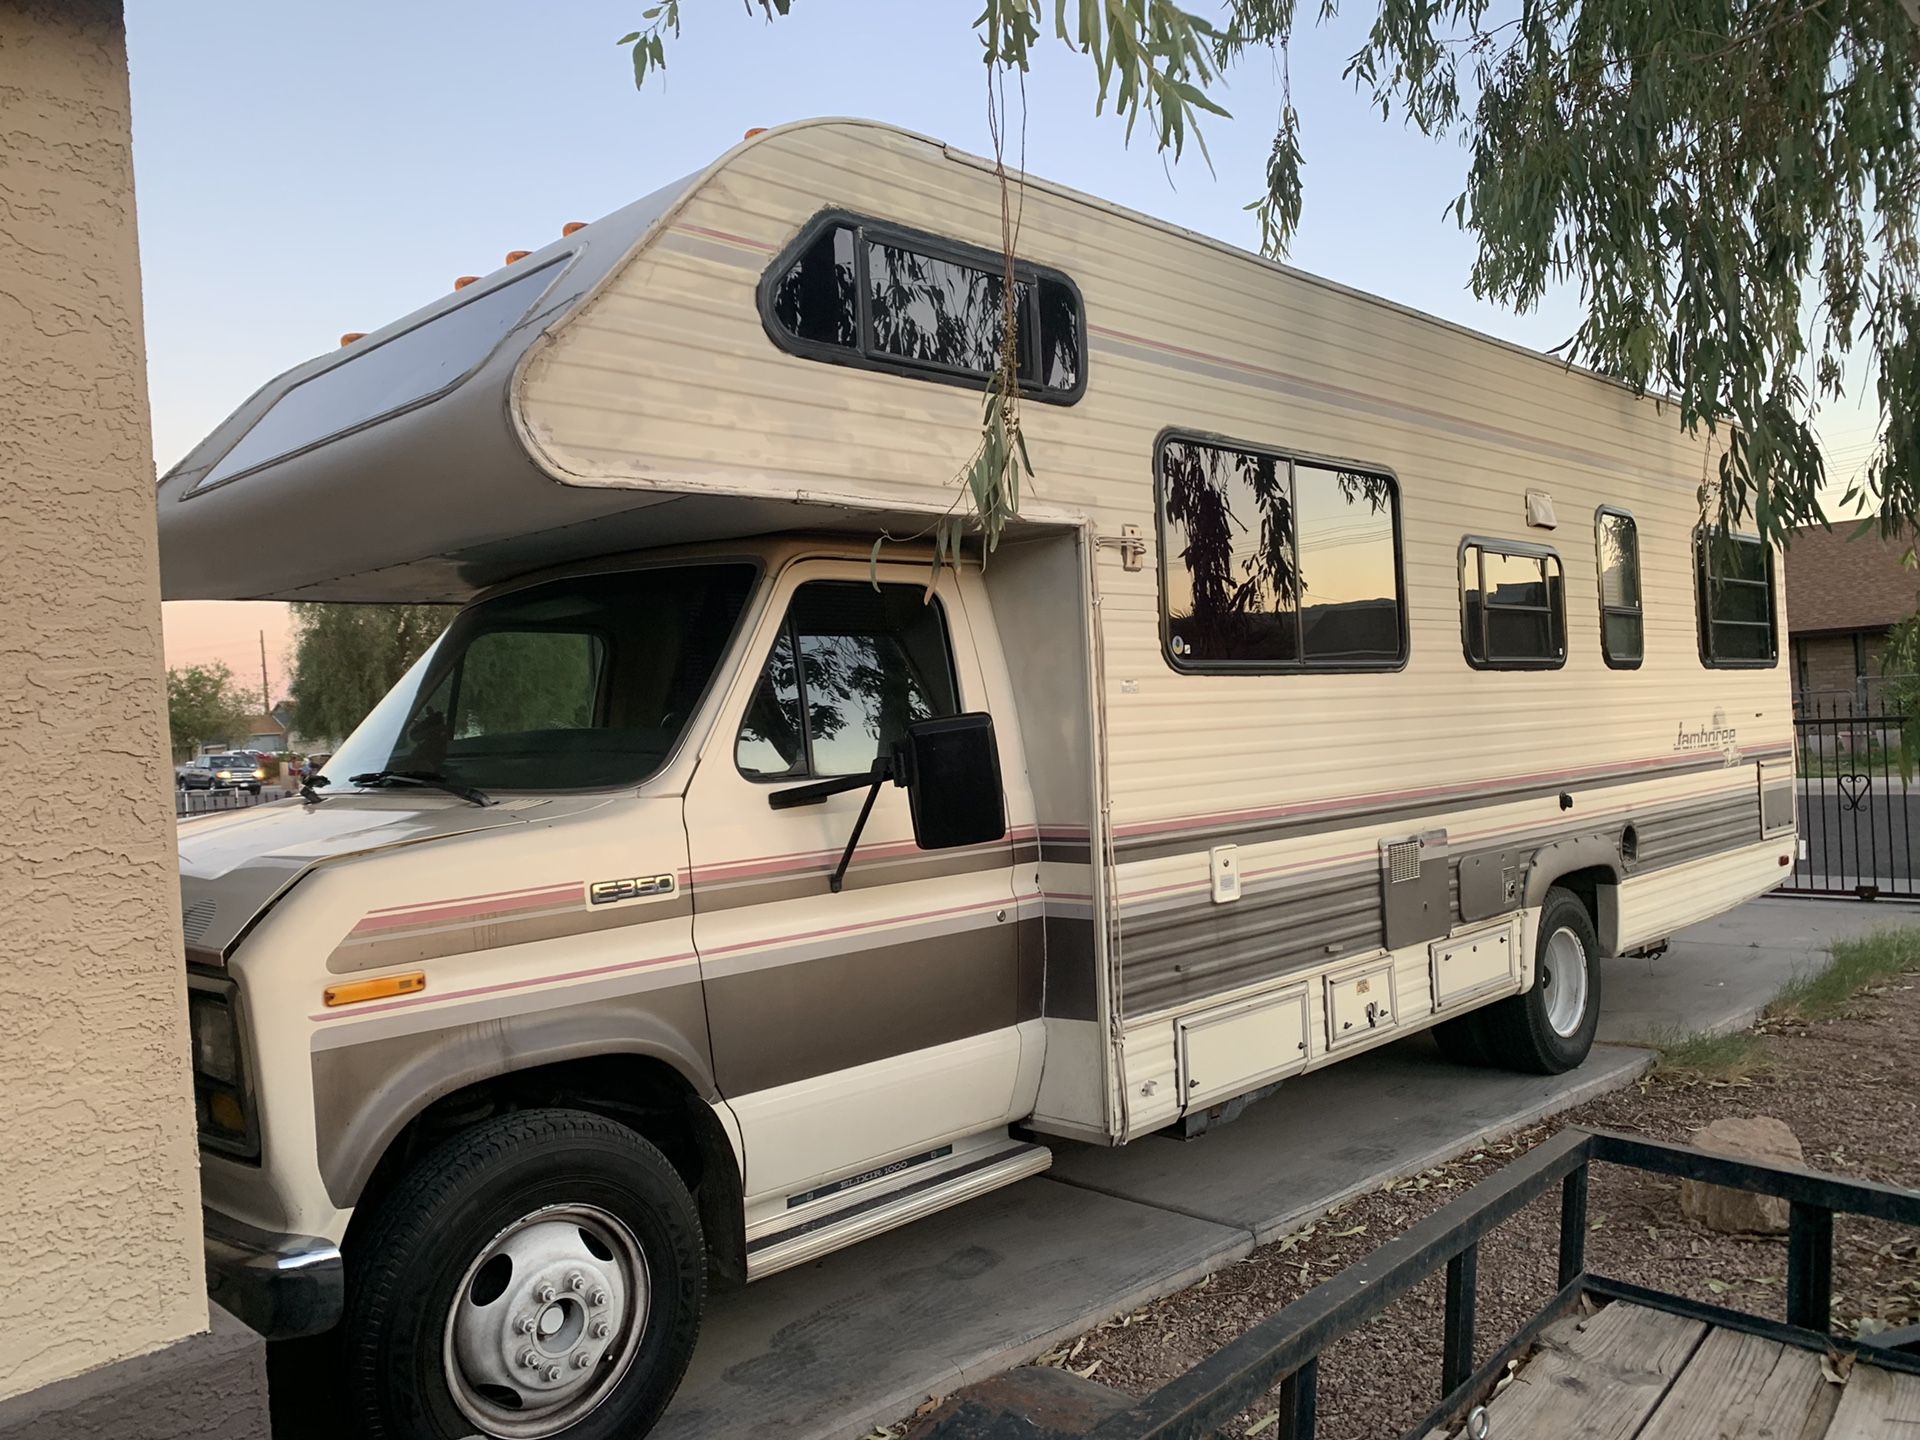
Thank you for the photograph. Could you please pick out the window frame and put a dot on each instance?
(785, 627)
(1175, 435)
(1639, 607)
(1525, 549)
(1703, 609)
(863, 356)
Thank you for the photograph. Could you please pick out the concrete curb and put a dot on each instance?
(986, 1363)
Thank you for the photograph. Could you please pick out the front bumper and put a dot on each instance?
(281, 1285)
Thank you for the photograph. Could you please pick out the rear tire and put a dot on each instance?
(541, 1274)
(1549, 1029)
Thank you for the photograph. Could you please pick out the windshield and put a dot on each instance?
(576, 684)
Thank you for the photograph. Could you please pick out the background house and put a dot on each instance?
(1844, 592)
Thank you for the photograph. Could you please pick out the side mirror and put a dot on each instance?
(951, 770)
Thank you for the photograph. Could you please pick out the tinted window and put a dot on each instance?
(1514, 611)
(1621, 630)
(1272, 564)
(580, 683)
(374, 382)
(1734, 579)
(894, 301)
(851, 668)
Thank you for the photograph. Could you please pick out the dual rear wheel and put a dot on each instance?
(1548, 1029)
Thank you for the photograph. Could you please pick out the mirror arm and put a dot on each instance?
(820, 790)
(883, 770)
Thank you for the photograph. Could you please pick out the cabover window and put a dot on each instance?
(852, 667)
(1272, 562)
(1733, 578)
(1621, 632)
(857, 292)
(1514, 610)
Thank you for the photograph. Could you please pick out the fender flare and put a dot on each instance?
(1599, 853)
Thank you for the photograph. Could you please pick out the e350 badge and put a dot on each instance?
(639, 887)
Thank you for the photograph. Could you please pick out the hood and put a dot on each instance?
(234, 865)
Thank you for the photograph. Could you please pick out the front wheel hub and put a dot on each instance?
(546, 1321)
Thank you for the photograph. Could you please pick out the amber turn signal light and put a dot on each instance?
(352, 992)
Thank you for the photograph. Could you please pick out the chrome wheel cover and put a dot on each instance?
(546, 1321)
(1563, 981)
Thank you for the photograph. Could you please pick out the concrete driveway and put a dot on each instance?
(857, 1340)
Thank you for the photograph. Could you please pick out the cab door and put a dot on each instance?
(850, 1029)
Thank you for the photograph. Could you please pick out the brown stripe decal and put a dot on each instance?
(409, 934)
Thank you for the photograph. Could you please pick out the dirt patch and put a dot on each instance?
(1849, 1088)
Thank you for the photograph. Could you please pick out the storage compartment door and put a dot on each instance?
(1233, 1048)
(1359, 1003)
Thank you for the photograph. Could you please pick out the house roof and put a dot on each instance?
(263, 725)
(1836, 581)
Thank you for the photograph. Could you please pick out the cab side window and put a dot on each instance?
(851, 668)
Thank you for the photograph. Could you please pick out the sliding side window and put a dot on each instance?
(856, 292)
(1270, 562)
(1513, 606)
(1733, 581)
(1622, 632)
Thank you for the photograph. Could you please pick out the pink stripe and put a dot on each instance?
(552, 898)
(731, 239)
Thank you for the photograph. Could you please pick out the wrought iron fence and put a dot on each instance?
(1858, 813)
(188, 803)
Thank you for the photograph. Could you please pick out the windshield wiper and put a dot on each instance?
(427, 780)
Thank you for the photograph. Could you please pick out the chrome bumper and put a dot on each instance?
(281, 1285)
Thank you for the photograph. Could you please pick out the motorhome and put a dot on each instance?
(722, 888)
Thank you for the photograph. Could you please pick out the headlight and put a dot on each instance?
(259, 774)
(226, 775)
(222, 1096)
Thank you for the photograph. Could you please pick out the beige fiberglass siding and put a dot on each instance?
(99, 1196)
(667, 378)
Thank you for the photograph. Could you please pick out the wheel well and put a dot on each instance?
(1597, 888)
(638, 1091)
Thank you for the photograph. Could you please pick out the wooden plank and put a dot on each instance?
(1743, 1387)
(1597, 1378)
(1877, 1405)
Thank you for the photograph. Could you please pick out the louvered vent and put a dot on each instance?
(195, 920)
(1403, 861)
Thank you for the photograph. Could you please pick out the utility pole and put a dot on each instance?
(266, 703)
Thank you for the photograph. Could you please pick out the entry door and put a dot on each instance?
(878, 1023)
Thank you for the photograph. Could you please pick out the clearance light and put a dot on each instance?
(351, 336)
(382, 988)
(464, 281)
(571, 226)
(514, 257)
(756, 130)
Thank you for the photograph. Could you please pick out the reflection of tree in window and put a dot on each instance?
(1059, 336)
(815, 299)
(934, 310)
(512, 682)
(1282, 561)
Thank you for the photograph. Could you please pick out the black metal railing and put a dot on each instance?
(1286, 1347)
(1858, 814)
(188, 803)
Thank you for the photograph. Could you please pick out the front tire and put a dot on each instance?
(539, 1275)
(1550, 1029)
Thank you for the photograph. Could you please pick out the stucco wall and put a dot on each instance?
(99, 1196)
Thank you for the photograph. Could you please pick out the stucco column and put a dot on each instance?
(100, 1250)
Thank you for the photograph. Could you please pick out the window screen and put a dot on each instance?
(867, 294)
(372, 383)
(851, 668)
(1622, 639)
(1274, 563)
(1514, 612)
(1734, 580)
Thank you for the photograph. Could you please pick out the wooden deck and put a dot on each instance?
(1629, 1373)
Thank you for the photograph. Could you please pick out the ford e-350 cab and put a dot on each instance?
(723, 887)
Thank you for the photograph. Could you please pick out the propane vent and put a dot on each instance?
(1403, 861)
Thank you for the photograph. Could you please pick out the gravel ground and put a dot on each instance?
(1849, 1088)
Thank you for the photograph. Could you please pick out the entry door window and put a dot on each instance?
(852, 667)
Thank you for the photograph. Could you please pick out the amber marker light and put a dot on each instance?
(464, 281)
(351, 336)
(383, 987)
(514, 257)
(756, 130)
(571, 226)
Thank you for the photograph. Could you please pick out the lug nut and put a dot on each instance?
(529, 1359)
(598, 1298)
(548, 1294)
(581, 1359)
(529, 1325)
(576, 1281)
(602, 1330)
(553, 1372)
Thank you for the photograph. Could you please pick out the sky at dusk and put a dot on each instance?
(306, 173)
